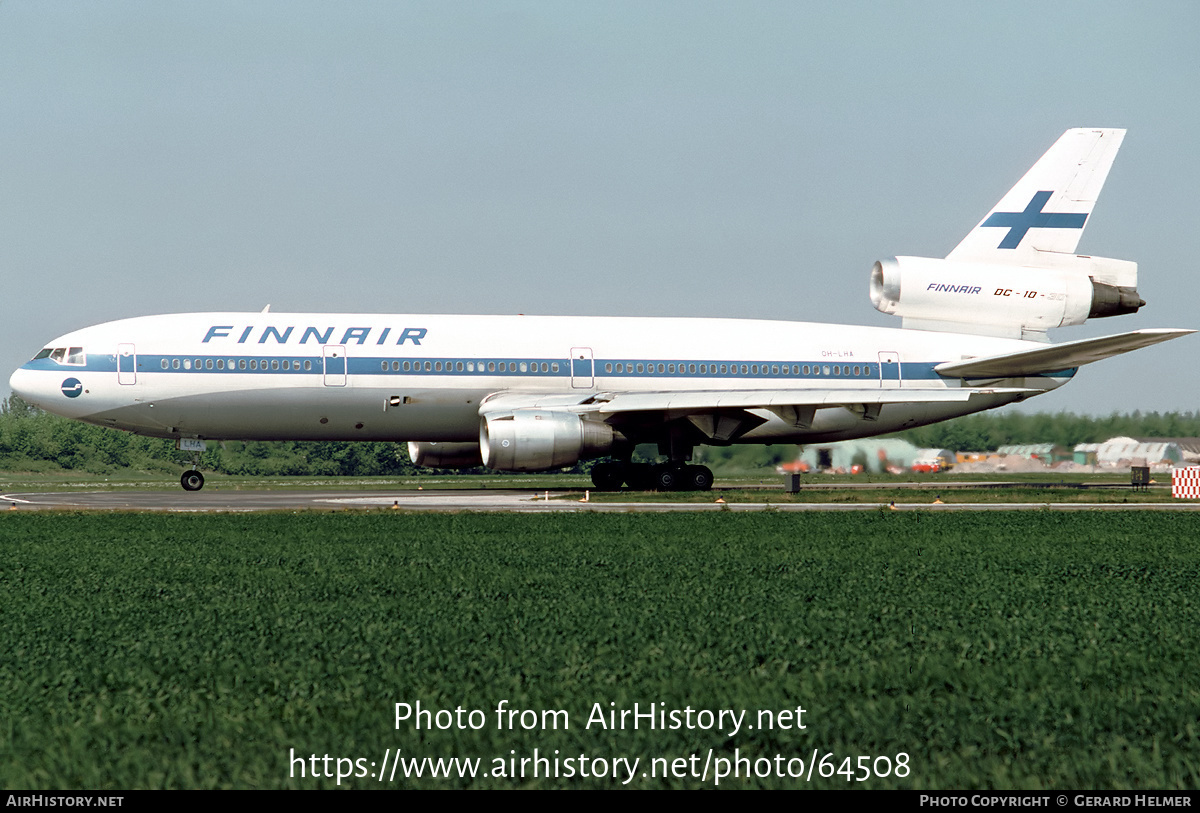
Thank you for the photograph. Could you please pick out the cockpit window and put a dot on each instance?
(64, 355)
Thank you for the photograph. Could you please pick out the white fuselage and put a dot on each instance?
(275, 376)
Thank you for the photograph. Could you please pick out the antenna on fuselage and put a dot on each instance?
(267, 309)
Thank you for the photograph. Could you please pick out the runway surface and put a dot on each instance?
(479, 500)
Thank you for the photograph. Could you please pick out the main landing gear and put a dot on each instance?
(652, 477)
(192, 480)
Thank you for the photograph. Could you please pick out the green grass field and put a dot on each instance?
(996, 650)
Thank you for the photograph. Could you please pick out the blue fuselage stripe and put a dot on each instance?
(531, 368)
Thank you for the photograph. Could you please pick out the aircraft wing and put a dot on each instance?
(1055, 357)
(684, 402)
(700, 401)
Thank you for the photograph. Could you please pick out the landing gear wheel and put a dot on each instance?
(608, 476)
(638, 477)
(192, 481)
(666, 478)
(697, 478)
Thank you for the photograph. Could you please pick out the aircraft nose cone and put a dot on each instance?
(25, 385)
(18, 382)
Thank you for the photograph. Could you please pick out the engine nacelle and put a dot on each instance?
(445, 455)
(1003, 300)
(536, 440)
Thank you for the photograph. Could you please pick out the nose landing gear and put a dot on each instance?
(192, 480)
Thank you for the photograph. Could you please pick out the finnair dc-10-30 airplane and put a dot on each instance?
(533, 393)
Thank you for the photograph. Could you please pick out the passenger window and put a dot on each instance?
(165, 364)
(174, 364)
(208, 365)
(307, 364)
(274, 364)
(187, 364)
(554, 367)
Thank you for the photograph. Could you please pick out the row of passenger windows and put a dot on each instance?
(618, 368)
(470, 366)
(237, 364)
(739, 369)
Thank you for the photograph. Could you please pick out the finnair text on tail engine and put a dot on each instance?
(954, 289)
(536, 393)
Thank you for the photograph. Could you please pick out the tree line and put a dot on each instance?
(986, 431)
(33, 440)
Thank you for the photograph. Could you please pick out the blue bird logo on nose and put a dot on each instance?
(72, 388)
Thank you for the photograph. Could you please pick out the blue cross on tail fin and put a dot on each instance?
(1048, 208)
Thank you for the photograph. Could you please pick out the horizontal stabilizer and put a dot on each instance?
(1056, 357)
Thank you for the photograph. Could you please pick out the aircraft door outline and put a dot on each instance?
(126, 364)
(335, 364)
(583, 376)
(889, 371)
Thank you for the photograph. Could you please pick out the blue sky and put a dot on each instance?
(747, 159)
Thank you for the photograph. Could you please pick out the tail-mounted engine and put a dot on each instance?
(1003, 300)
(536, 440)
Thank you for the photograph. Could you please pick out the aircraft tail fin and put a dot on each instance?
(1016, 274)
(1048, 208)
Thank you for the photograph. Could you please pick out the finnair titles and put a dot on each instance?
(538, 393)
(357, 335)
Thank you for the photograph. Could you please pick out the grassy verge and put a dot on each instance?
(995, 650)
